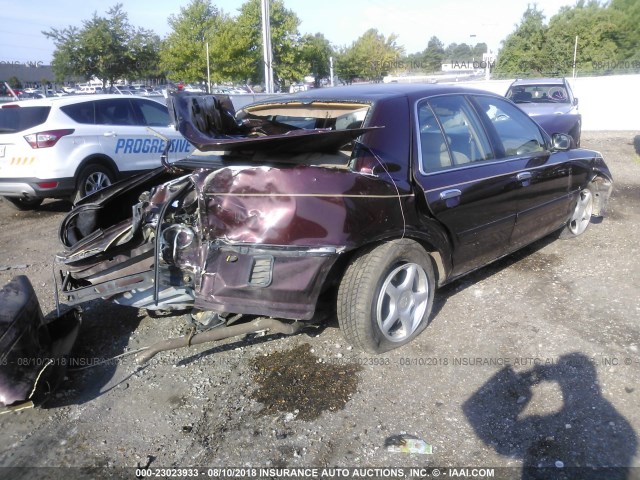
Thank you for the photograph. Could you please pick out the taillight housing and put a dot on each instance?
(47, 139)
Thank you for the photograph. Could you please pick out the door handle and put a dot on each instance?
(522, 176)
(448, 194)
(110, 134)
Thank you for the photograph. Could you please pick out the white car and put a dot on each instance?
(69, 147)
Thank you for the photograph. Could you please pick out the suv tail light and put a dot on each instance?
(48, 138)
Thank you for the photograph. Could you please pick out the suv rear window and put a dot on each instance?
(17, 119)
(538, 94)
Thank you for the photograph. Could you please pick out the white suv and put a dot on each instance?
(69, 147)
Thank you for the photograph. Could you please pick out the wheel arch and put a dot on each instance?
(440, 260)
(97, 159)
(368, 317)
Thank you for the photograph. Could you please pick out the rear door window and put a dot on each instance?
(517, 133)
(18, 119)
(153, 114)
(81, 112)
(115, 111)
(464, 138)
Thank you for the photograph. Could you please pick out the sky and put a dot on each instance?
(341, 21)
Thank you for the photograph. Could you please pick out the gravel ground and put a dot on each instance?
(531, 361)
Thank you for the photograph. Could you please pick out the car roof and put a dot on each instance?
(70, 100)
(539, 81)
(370, 93)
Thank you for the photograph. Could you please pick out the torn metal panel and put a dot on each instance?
(303, 206)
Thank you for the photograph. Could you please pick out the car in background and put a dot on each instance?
(87, 90)
(150, 92)
(31, 95)
(71, 146)
(119, 90)
(370, 196)
(551, 103)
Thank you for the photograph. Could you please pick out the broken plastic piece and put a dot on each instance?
(408, 444)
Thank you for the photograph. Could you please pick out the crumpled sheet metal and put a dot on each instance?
(32, 353)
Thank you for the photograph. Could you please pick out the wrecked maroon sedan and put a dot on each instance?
(379, 192)
(370, 196)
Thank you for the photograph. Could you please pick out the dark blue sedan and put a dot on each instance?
(551, 103)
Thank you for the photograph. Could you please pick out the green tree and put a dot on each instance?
(478, 51)
(108, 48)
(597, 30)
(183, 51)
(434, 55)
(628, 33)
(370, 57)
(523, 50)
(14, 82)
(348, 66)
(458, 52)
(316, 52)
(239, 52)
(66, 60)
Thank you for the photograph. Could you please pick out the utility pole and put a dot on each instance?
(331, 69)
(208, 71)
(266, 47)
(575, 54)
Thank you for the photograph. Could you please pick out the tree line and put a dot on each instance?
(608, 39)
(110, 48)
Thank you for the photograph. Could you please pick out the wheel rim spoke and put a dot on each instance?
(410, 278)
(391, 292)
(582, 214)
(96, 181)
(402, 302)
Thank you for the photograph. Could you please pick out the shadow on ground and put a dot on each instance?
(104, 334)
(585, 439)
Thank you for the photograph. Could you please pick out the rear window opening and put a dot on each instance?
(17, 119)
(333, 116)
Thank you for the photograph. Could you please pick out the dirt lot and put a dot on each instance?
(532, 361)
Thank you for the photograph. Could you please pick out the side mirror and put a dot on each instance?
(561, 141)
(575, 102)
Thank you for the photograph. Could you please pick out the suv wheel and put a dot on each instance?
(92, 178)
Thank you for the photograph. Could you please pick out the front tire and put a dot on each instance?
(581, 217)
(24, 203)
(92, 178)
(386, 296)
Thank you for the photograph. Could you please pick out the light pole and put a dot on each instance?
(266, 47)
(486, 57)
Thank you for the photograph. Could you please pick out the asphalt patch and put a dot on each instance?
(297, 380)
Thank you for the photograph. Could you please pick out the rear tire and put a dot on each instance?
(92, 178)
(386, 296)
(24, 203)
